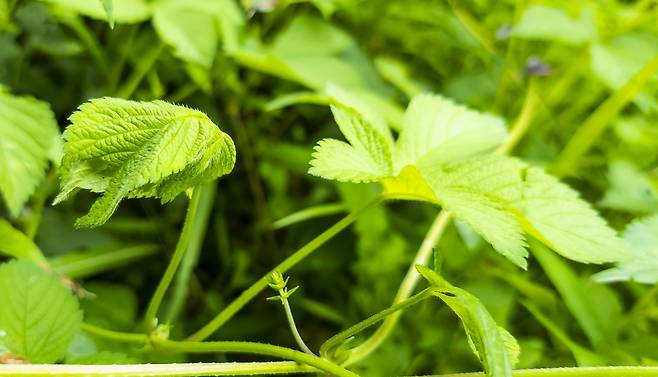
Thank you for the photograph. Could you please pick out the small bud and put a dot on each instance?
(276, 281)
(536, 67)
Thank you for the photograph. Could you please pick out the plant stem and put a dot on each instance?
(433, 236)
(407, 287)
(574, 372)
(309, 213)
(596, 123)
(284, 266)
(181, 247)
(192, 255)
(255, 349)
(140, 70)
(293, 326)
(140, 370)
(114, 335)
(341, 337)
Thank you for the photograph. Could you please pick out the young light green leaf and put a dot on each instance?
(129, 149)
(494, 346)
(39, 316)
(108, 5)
(29, 138)
(556, 24)
(641, 263)
(630, 188)
(367, 158)
(18, 245)
(436, 130)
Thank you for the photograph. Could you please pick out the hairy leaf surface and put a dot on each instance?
(29, 138)
(39, 316)
(128, 149)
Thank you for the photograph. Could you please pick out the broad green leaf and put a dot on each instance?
(436, 130)
(495, 347)
(556, 24)
(108, 6)
(482, 192)
(29, 138)
(18, 245)
(641, 263)
(630, 189)
(39, 315)
(190, 27)
(129, 149)
(123, 11)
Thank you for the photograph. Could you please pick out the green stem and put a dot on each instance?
(114, 335)
(407, 287)
(341, 337)
(595, 124)
(309, 213)
(255, 349)
(142, 370)
(143, 66)
(284, 266)
(574, 372)
(291, 322)
(181, 248)
(192, 255)
(88, 38)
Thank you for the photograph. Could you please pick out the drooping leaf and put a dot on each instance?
(128, 149)
(39, 316)
(641, 263)
(108, 6)
(556, 24)
(122, 11)
(630, 189)
(494, 346)
(29, 138)
(18, 245)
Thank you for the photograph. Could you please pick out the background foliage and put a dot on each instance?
(259, 69)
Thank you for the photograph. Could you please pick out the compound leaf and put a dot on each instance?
(39, 315)
(29, 138)
(129, 149)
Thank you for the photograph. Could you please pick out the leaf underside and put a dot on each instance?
(129, 149)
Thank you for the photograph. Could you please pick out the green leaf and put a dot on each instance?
(108, 6)
(494, 346)
(128, 149)
(630, 189)
(641, 263)
(367, 157)
(29, 138)
(18, 245)
(436, 130)
(190, 27)
(556, 24)
(122, 11)
(39, 316)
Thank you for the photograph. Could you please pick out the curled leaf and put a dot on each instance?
(129, 149)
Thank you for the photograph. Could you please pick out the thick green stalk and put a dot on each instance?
(181, 248)
(143, 370)
(284, 266)
(114, 335)
(595, 124)
(255, 349)
(574, 372)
